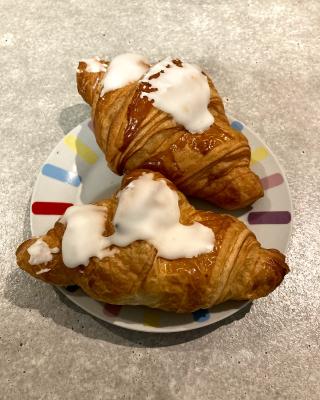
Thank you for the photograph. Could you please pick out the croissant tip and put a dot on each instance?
(270, 273)
(21, 250)
(240, 192)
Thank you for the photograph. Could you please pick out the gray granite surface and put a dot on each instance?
(264, 57)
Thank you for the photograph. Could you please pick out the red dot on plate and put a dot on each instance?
(112, 309)
(49, 208)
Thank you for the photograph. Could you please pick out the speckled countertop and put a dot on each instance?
(265, 59)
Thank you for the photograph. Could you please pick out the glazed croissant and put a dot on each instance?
(133, 133)
(237, 268)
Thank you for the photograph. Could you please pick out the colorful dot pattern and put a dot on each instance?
(81, 149)
(271, 181)
(112, 309)
(237, 125)
(72, 288)
(60, 174)
(269, 217)
(151, 317)
(259, 154)
(49, 207)
(201, 315)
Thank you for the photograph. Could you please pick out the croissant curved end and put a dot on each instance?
(240, 192)
(268, 274)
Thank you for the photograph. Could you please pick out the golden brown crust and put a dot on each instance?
(133, 134)
(237, 269)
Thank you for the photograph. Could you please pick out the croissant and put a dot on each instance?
(236, 267)
(133, 133)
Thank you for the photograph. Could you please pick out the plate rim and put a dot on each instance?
(153, 329)
(142, 327)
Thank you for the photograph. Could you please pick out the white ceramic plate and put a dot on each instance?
(76, 172)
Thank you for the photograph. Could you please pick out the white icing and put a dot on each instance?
(83, 237)
(40, 252)
(183, 92)
(42, 271)
(122, 70)
(94, 65)
(149, 210)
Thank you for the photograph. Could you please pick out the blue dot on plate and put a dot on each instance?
(201, 315)
(237, 126)
(72, 288)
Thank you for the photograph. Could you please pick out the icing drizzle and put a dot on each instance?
(147, 210)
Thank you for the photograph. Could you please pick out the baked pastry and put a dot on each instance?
(168, 118)
(148, 246)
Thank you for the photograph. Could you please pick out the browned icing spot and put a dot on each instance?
(168, 66)
(177, 62)
(154, 76)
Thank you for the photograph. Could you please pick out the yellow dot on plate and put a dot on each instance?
(151, 318)
(81, 149)
(259, 154)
